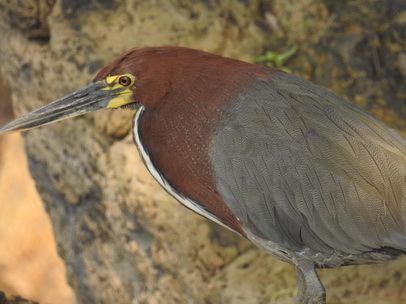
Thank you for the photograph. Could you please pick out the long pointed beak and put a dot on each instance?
(93, 97)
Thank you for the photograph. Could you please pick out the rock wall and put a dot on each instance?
(123, 239)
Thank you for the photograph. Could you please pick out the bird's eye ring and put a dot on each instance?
(124, 81)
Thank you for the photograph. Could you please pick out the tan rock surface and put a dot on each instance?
(123, 239)
(29, 264)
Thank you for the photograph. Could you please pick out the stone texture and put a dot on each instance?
(123, 239)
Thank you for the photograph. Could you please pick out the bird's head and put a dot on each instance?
(144, 76)
(112, 91)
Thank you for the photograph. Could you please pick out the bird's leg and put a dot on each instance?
(310, 288)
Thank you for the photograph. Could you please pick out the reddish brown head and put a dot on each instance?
(161, 71)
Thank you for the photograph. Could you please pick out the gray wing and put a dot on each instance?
(304, 168)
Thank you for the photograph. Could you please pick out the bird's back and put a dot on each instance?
(308, 171)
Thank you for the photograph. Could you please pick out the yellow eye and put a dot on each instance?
(124, 81)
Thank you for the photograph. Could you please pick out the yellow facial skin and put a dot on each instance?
(124, 82)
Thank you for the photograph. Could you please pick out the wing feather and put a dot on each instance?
(307, 169)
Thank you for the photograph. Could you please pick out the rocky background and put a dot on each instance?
(121, 237)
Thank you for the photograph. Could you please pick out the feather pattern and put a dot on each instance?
(305, 169)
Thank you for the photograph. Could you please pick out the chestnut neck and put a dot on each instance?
(183, 92)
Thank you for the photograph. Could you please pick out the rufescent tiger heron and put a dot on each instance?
(304, 174)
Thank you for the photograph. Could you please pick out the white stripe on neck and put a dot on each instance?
(187, 202)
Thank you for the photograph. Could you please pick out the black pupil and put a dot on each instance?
(125, 81)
